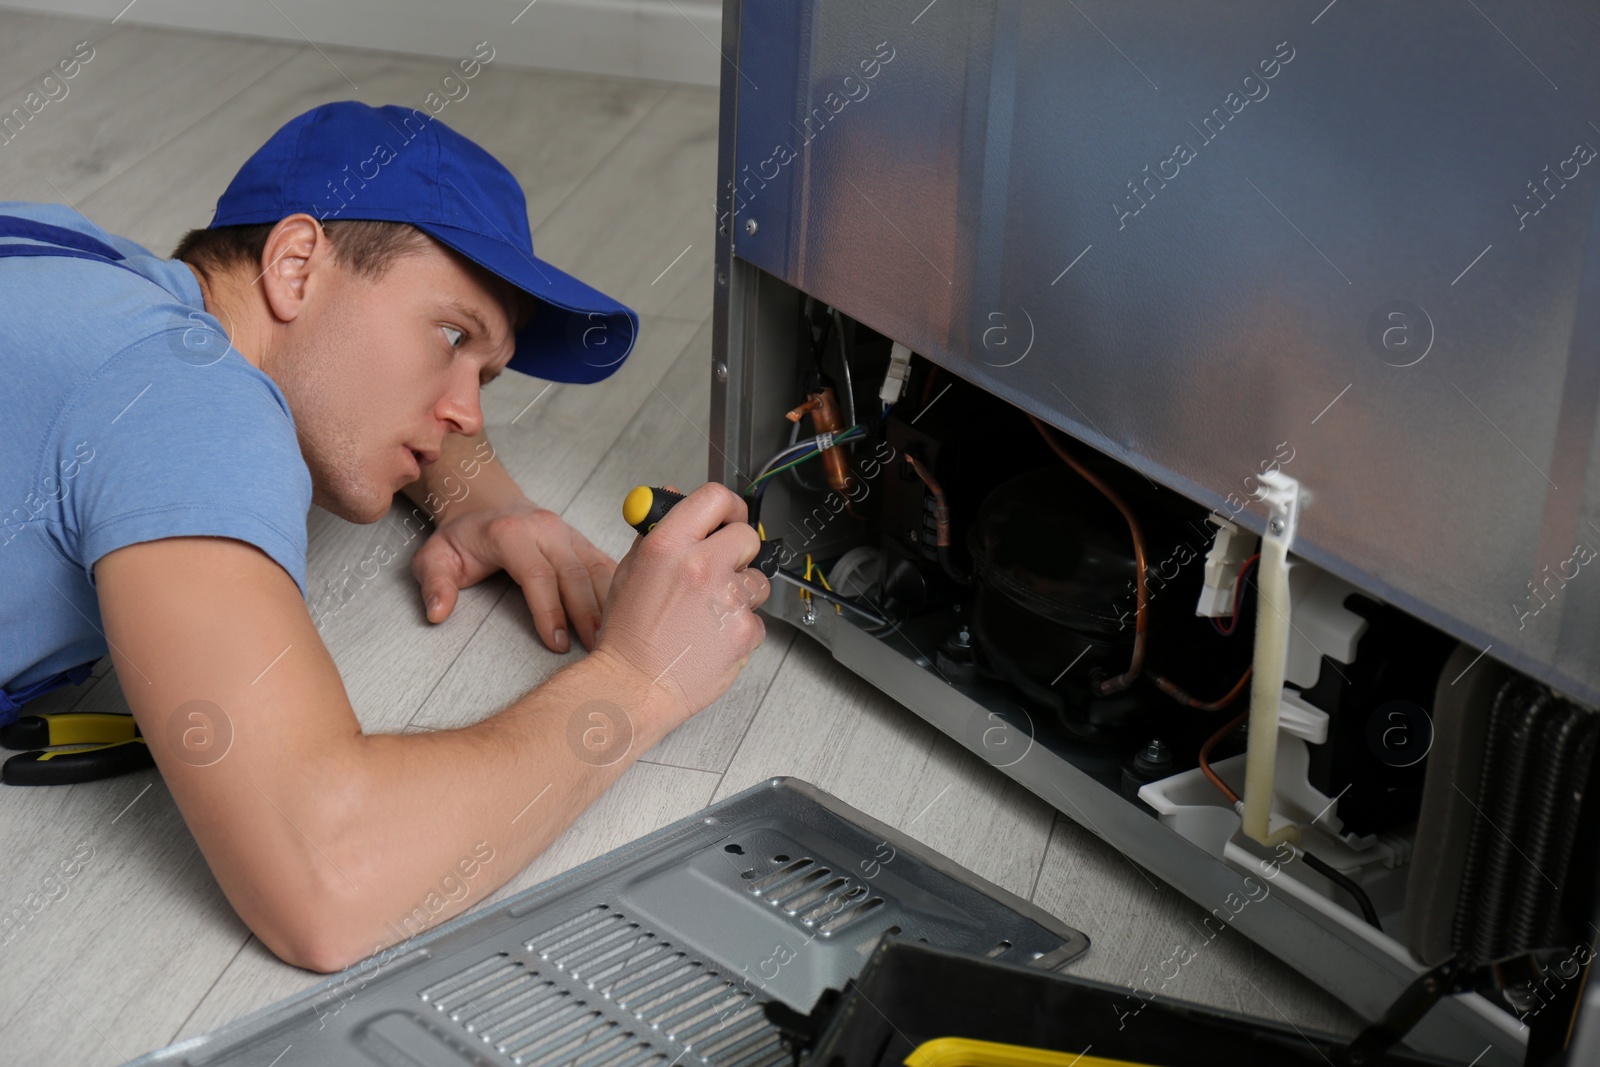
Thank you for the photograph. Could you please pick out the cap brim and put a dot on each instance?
(582, 336)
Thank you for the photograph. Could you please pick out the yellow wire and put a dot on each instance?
(823, 578)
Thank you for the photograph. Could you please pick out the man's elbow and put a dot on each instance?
(314, 946)
(318, 923)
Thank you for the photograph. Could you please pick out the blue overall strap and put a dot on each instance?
(15, 226)
(68, 244)
(11, 700)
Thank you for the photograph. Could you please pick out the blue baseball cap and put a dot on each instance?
(347, 160)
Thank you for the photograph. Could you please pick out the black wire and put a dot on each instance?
(831, 597)
(844, 367)
(1368, 912)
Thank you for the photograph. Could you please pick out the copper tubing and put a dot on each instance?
(825, 418)
(941, 520)
(1142, 615)
(1211, 743)
(1181, 697)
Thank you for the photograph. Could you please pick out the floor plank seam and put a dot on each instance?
(198, 120)
(214, 983)
(618, 440)
(674, 766)
(30, 80)
(613, 150)
(482, 622)
(765, 693)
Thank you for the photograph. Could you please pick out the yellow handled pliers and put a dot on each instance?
(117, 748)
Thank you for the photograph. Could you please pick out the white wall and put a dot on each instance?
(669, 40)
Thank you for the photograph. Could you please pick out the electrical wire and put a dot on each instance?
(1205, 756)
(1338, 878)
(784, 462)
(844, 363)
(1348, 884)
(1173, 691)
(1142, 615)
(795, 474)
(816, 589)
(1238, 591)
(805, 594)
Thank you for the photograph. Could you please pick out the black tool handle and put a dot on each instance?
(646, 505)
(87, 765)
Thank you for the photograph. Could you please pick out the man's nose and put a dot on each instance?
(461, 406)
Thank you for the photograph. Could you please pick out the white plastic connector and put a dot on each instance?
(899, 371)
(1229, 549)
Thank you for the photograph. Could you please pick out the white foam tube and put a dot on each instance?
(1266, 691)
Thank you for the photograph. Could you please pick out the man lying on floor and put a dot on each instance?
(165, 427)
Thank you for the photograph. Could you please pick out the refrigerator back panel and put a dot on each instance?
(1205, 237)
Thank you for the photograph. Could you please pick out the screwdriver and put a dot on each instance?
(646, 505)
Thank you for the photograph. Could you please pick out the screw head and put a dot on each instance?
(721, 371)
(750, 227)
(1276, 526)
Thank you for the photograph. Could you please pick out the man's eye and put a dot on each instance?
(454, 336)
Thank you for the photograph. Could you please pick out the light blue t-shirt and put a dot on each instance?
(125, 416)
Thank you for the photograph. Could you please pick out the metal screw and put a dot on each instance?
(911, 535)
(963, 639)
(809, 614)
(1276, 526)
(722, 278)
(721, 371)
(1155, 751)
(750, 227)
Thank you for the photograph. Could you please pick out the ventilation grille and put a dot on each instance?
(813, 894)
(600, 989)
(637, 958)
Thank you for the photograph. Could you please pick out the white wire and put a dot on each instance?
(807, 446)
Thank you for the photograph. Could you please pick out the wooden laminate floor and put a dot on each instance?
(139, 948)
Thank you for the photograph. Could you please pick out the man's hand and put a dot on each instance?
(486, 524)
(564, 577)
(684, 613)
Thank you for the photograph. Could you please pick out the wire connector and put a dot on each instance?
(899, 370)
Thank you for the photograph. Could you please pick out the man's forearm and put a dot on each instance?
(426, 824)
(467, 476)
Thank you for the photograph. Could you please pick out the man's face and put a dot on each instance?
(378, 372)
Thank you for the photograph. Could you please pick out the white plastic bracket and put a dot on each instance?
(1281, 494)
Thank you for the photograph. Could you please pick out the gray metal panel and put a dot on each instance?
(943, 200)
(659, 952)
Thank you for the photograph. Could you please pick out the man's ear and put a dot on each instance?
(297, 249)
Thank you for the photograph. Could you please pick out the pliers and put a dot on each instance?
(118, 748)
